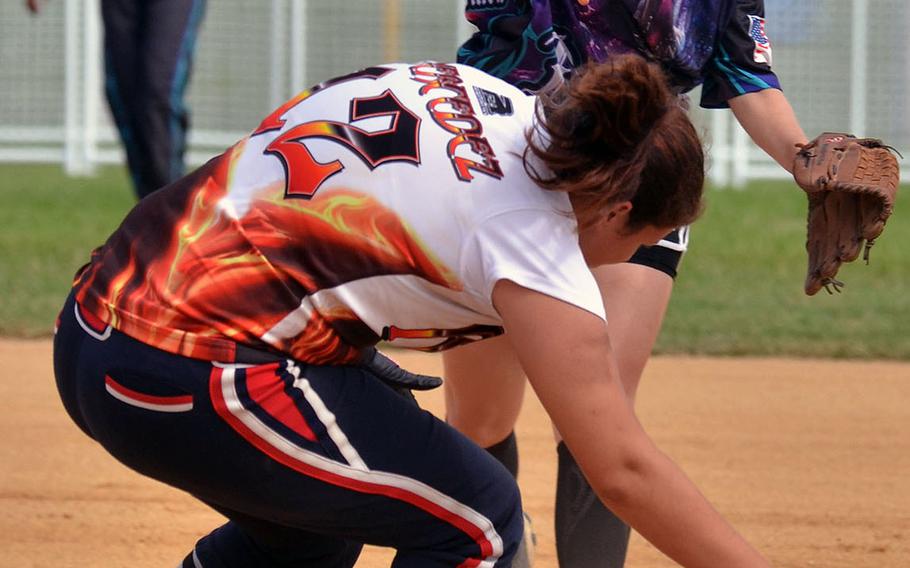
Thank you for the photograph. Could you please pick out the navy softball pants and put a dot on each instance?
(306, 462)
(148, 55)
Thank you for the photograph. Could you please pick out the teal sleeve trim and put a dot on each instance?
(738, 77)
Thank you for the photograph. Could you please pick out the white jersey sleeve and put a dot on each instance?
(534, 248)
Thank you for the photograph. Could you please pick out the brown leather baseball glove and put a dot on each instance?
(851, 184)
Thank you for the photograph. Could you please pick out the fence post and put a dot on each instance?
(91, 81)
(298, 45)
(391, 30)
(463, 29)
(278, 54)
(740, 157)
(859, 47)
(72, 160)
(720, 149)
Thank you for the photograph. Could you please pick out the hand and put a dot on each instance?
(572, 369)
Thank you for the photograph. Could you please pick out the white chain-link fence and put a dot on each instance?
(842, 63)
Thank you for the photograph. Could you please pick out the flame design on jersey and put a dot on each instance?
(187, 274)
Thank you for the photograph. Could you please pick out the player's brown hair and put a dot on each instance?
(614, 132)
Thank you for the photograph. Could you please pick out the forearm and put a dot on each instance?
(657, 499)
(646, 489)
(770, 121)
(573, 372)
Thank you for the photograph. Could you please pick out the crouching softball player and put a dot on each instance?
(221, 341)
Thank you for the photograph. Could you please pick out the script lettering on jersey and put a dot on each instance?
(455, 114)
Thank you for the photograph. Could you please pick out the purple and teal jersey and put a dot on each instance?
(720, 44)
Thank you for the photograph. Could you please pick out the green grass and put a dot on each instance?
(739, 291)
(48, 226)
(740, 288)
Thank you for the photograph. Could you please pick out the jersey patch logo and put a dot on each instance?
(492, 103)
(485, 4)
(762, 51)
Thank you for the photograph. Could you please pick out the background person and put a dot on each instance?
(221, 340)
(718, 44)
(148, 59)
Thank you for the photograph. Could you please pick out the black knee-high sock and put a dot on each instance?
(588, 535)
(506, 452)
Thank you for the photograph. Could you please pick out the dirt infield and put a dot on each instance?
(810, 459)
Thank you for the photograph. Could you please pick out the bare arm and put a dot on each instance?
(770, 121)
(566, 354)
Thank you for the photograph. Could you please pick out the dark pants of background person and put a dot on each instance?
(307, 462)
(148, 52)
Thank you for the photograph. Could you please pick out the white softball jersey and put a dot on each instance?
(382, 205)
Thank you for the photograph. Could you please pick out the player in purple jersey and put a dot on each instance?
(534, 44)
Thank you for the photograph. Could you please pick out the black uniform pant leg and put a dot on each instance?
(149, 48)
(122, 37)
(307, 462)
(172, 27)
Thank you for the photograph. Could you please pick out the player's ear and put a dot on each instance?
(618, 212)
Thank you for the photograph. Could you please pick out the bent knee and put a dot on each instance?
(484, 433)
(508, 520)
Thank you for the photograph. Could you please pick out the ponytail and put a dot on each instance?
(614, 132)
